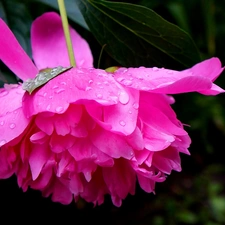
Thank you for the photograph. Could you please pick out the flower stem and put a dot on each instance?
(65, 24)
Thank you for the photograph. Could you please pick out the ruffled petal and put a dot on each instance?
(12, 119)
(74, 86)
(49, 45)
(199, 78)
(12, 54)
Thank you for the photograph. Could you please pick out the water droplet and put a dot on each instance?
(145, 88)
(155, 69)
(122, 123)
(63, 83)
(169, 71)
(127, 82)
(2, 123)
(48, 107)
(135, 105)
(50, 97)
(124, 98)
(60, 90)
(99, 95)
(88, 88)
(90, 81)
(59, 109)
(55, 87)
(106, 83)
(2, 142)
(3, 93)
(130, 112)
(12, 125)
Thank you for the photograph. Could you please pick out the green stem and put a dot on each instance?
(65, 24)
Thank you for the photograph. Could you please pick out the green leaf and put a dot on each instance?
(43, 77)
(73, 11)
(18, 18)
(136, 36)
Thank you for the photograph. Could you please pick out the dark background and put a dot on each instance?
(194, 196)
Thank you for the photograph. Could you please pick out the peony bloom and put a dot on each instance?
(87, 132)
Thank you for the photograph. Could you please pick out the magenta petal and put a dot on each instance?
(111, 144)
(12, 119)
(198, 78)
(12, 54)
(49, 45)
(74, 86)
(120, 180)
(38, 157)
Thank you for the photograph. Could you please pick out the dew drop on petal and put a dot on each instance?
(12, 125)
(124, 98)
(130, 112)
(2, 142)
(122, 123)
(48, 107)
(55, 87)
(59, 109)
(127, 82)
(99, 95)
(135, 105)
(90, 81)
(59, 90)
(88, 88)
(155, 69)
(63, 83)
(2, 123)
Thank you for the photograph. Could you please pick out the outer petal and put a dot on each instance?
(12, 54)
(12, 119)
(74, 86)
(49, 45)
(198, 78)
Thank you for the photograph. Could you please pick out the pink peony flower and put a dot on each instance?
(87, 132)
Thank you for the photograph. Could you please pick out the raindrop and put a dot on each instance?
(54, 87)
(155, 69)
(48, 107)
(90, 81)
(124, 98)
(50, 97)
(63, 83)
(60, 90)
(12, 125)
(2, 142)
(88, 88)
(99, 95)
(130, 112)
(122, 123)
(169, 71)
(135, 105)
(145, 88)
(106, 83)
(59, 109)
(2, 123)
(127, 82)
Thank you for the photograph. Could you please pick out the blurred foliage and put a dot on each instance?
(194, 196)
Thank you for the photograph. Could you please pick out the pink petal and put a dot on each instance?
(198, 78)
(120, 118)
(49, 45)
(111, 144)
(38, 157)
(74, 86)
(12, 54)
(12, 119)
(120, 180)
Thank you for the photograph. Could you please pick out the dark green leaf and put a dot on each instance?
(73, 11)
(136, 36)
